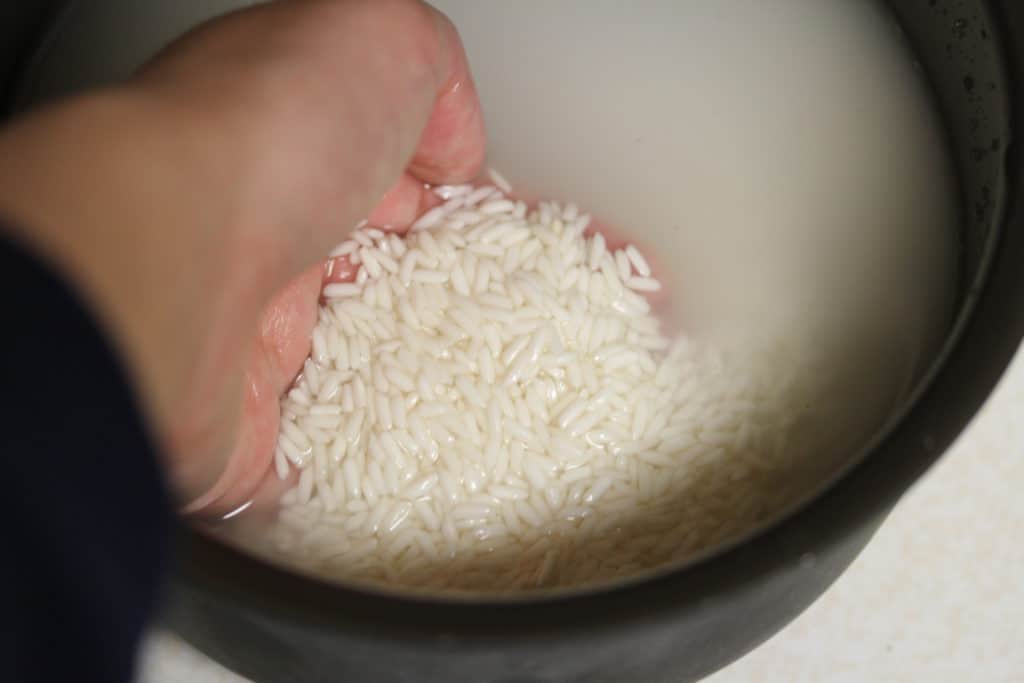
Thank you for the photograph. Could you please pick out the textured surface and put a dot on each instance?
(935, 597)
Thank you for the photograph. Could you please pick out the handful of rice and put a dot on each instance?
(492, 406)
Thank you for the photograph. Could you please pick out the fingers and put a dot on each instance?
(282, 347)
(453, 144)
(250, 459)
(452, 147)
(286, 326)
(319, 108)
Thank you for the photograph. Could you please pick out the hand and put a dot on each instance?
(182, 201)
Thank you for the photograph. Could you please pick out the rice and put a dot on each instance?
(492, 406)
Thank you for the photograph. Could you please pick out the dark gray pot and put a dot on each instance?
(271, 625)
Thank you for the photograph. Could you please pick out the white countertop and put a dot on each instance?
(938, 595)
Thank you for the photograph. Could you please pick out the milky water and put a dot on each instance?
(781, 161)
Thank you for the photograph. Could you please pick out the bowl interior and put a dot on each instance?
(678, 136)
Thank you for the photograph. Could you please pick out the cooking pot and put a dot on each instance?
(273, 625)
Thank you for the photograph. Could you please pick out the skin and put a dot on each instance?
(192, 205)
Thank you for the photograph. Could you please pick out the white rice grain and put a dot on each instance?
(499, 180)
(491, 405)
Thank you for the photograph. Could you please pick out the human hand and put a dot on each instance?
(182, 201)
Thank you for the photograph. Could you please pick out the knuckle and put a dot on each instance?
(410, 26)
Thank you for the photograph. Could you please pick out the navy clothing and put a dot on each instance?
(84, 511)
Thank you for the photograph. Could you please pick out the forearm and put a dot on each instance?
(108, 193)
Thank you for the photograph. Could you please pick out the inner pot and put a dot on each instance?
(274, 625)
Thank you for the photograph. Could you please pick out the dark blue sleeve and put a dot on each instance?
(84, 513)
